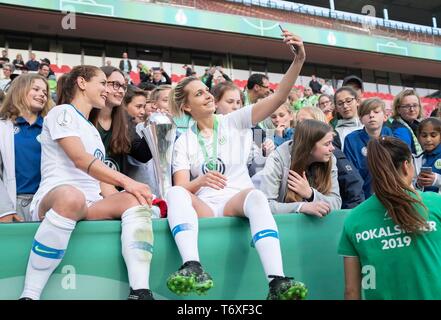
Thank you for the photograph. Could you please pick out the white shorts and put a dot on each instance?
(217, 203)
(35, 205)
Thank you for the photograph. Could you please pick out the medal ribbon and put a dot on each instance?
(211, 162)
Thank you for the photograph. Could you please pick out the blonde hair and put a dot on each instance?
(154, 94)
(288, 108)
(315, 113)
(15, 103)
(398, 100)
(178, 96)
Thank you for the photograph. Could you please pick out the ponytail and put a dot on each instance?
(385, 158)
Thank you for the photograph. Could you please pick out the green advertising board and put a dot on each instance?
(193, 18)
(93, 267)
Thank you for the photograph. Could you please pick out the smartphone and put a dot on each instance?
(426, 169)
(293, 48)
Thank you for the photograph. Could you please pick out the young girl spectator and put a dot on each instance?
(392, 239)
(21, 122)
(372, 115)
(429, 136)
(134, 103)
(211, 179)
(349, 179)
(159, 97)
(346, 102)
(301, 175)
(407, 115)
(326, 104)
(282, 120)
(72, 170)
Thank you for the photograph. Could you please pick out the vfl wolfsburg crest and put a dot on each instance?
(438, 164)
(98, 154)
(213, 165)
(111, 164)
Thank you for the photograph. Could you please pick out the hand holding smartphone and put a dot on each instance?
(293, 48)
(426, 170)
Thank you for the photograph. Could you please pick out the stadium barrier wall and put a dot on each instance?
(93, 267)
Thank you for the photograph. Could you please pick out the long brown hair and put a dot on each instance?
(15, 103)
(307, 134)
(120, 142)
(385, 157)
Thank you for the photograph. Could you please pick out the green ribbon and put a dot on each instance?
(211, 163)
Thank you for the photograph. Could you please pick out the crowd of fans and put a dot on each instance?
(306, 151)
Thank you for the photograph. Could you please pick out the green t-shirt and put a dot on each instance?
(394, 264)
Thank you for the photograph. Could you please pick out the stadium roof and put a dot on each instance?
(418, 12)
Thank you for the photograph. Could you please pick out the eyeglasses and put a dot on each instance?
(409, 106)
(116, 85)
(346, 101)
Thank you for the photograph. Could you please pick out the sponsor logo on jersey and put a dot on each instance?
(111, 164)
(364, 151)
(64, 118)
(213, 165)
(99, 154)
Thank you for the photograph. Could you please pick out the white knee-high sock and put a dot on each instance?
(137, 245)
(264, 232)
(48, 248)
(183, 222)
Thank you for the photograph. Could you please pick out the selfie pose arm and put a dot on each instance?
(265, 107)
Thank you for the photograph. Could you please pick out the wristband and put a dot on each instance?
(90, 164)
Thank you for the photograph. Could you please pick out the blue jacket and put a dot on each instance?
(404, 134)
(349, 181)
(287, 135)
(356, 151)
(432, 159)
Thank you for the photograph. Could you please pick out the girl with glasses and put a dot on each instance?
(326, 104)
(118, 135)
(407, 113)
(346, 103)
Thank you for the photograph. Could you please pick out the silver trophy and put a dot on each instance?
(160, 133)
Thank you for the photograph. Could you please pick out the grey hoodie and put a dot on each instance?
(274, 178)
(345, 127)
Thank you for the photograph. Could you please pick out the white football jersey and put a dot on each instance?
(56, 167)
